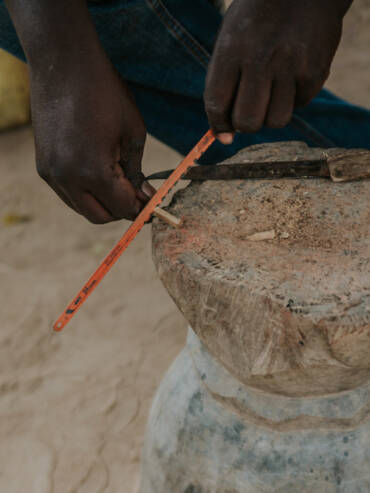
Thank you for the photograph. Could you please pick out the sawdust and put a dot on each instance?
(216, 228)
(262, 235)
(320, 249)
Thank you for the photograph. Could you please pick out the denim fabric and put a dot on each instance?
(162, 49)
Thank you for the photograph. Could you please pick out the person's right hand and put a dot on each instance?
(89, 138)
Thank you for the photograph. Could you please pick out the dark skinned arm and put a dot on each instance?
(89, 133)
(270, 56)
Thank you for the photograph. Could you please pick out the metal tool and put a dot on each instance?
(205, 142)
(346, 165)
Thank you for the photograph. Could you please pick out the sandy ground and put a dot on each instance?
(73, 406)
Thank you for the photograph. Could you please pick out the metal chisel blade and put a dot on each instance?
(253, 170)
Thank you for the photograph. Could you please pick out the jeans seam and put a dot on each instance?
(180, 33)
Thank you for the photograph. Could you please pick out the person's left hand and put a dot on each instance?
(270, 56)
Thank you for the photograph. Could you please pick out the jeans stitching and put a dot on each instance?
(178, 31)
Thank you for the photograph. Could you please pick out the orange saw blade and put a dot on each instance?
(205, 142)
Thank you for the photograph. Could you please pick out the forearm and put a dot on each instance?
(54, 32)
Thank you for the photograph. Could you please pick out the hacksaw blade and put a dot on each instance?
(205, 142)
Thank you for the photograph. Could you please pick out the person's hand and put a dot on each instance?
(89, 139)
(270, 56)
(89, 133)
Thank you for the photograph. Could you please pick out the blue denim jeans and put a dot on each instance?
(162, 49)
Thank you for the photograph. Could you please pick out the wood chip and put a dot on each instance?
(262, 235)
(167, 217)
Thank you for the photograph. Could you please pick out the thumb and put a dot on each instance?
(131, 162)
(132, 149)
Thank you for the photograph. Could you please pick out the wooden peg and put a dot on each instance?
(167, 217)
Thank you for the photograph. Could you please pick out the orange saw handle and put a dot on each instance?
(205, 142)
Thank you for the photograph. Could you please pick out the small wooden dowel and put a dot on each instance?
(167, 217)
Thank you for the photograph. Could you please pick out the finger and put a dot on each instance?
(118, 196)
(251, 102)
(131, 155)
(281, 105)
(306, 90)
(146, 192)
(90, 207)
(61, 194)
(221, 86)
(66, 200)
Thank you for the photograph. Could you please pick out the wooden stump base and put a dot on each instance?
(274, 279)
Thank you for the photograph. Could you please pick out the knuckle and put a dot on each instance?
(278, 121)
(60, 174)
(288, 61)
(289, 53)
(311, 79)
(258, 60)
(219, 119)
(215, 109)
(42, 171)
(308, 87)
(50, 167)
(225, 43)
(99, 220)
(250, 124)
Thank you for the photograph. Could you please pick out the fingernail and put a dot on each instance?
(147, 189)
(226, 138)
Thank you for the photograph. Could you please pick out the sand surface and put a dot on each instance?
(73, 406)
